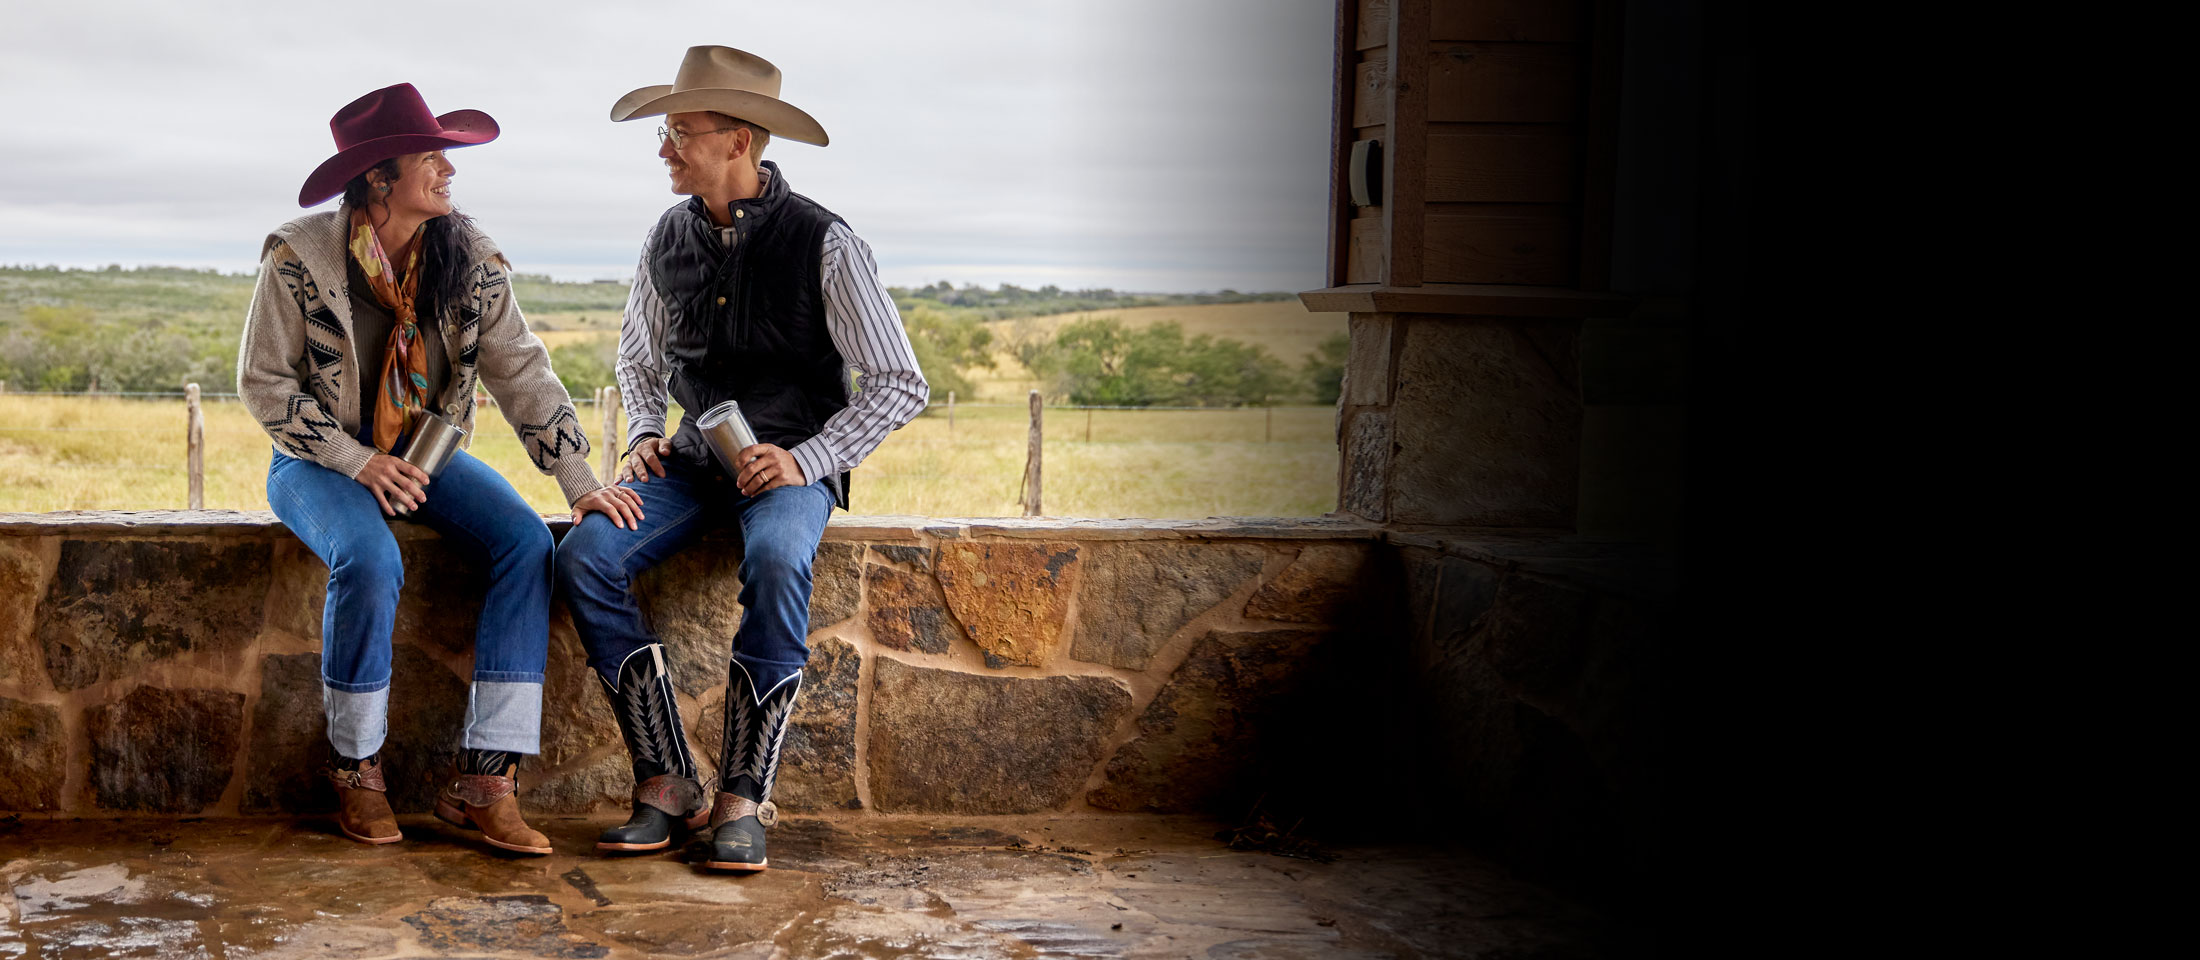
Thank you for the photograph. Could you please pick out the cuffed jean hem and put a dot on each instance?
(504, 716)
(382, 684)
(358, 722)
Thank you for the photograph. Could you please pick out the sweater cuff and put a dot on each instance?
(574, 477)
(815, 457)
(347, 459)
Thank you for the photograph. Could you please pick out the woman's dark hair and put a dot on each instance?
(442, 245)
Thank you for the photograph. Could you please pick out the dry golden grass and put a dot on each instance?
(107, 453)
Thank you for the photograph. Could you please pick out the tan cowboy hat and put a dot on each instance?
(736, 83)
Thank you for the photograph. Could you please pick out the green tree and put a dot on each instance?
(1324, 369)
(585, 365)
(1100, 361)
(946, 345)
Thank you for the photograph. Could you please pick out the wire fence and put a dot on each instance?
(1042, 424)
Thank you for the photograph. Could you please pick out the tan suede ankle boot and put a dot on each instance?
(490, 803)
(362, 806)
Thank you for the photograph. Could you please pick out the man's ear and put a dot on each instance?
(743, 138)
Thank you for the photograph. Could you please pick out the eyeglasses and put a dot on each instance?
(679, 139)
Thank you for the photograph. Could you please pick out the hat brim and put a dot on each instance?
(461, 128)
(783, 119)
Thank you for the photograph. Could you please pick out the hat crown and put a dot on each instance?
(725, 68)
(390, 111)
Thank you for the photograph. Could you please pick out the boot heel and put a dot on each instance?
(452, 815)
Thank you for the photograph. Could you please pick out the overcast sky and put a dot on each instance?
(1153, 145)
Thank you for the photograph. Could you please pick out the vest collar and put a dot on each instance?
(754, 211)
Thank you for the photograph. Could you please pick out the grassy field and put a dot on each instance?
(107, 453)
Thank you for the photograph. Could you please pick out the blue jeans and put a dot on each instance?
(597, 563)
(480, 515)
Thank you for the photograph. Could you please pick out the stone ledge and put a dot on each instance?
(247, 523)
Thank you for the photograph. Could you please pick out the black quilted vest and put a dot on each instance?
(746, 321)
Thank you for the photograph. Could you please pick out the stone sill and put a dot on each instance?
(1470, 300)
(842, 527)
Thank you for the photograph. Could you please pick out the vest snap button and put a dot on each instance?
(738, 214)
(721, 301)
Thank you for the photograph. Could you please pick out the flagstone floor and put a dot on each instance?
(860, 887)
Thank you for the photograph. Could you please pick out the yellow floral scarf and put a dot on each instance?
(404, 390)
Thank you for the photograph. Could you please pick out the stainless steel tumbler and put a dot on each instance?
(434, 439)
(728, 433)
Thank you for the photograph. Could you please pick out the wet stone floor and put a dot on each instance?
(867, 887)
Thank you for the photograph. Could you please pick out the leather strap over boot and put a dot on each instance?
(489, 803)
(755, 727)
(362, 805)
(667, 797)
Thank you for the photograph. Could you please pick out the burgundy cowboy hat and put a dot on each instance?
(389, 122)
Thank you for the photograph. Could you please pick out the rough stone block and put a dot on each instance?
(164, 751)
(576, 717)
(918, 557)
(289, 740)
(693, 602)
(1367, 450)
(22, 581)
(1318, 587)
(297, 590)
(836, 583)
(1136, 596)
(525, 924)
(908, 611)
(948, 742)
(1488, 425)
(602, 784)
(817, 765)
(33, 755)
(1204, 730)
(1367, 369)
(116, 605)
(427, 717)
(1012, 598)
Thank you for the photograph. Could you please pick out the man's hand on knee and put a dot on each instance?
(646, 458)
(771, 466)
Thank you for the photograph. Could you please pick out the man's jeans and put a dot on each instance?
(597, 563)
(483, 518)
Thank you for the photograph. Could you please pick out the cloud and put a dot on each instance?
(1138, 144)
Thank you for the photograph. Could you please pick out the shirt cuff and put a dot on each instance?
(815, 457)
(640, 427)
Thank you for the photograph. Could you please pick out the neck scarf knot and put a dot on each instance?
(404, 381)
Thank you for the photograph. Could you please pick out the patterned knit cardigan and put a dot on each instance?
(298, 363)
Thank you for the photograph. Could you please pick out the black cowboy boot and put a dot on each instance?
(750, 762)
(667, 797)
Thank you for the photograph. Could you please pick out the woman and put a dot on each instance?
(367, 319)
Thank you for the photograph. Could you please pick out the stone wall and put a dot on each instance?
(169, 663)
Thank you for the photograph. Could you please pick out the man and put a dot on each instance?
(753, 293)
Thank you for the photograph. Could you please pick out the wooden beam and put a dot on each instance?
(1470, 300)
(1541, 167)
(1341, 135)
(1405, 155)
(1512, 246)
(1503, 82)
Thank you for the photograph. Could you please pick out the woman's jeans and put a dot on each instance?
(597, 563)
(483, 518)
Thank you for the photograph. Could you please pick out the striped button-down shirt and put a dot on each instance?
(865, 327)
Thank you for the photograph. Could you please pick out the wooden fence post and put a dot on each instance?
(194, 446)
(608, 399)
(1268, 434)
(1088, 424)
(1031, 462)
(950, 408)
